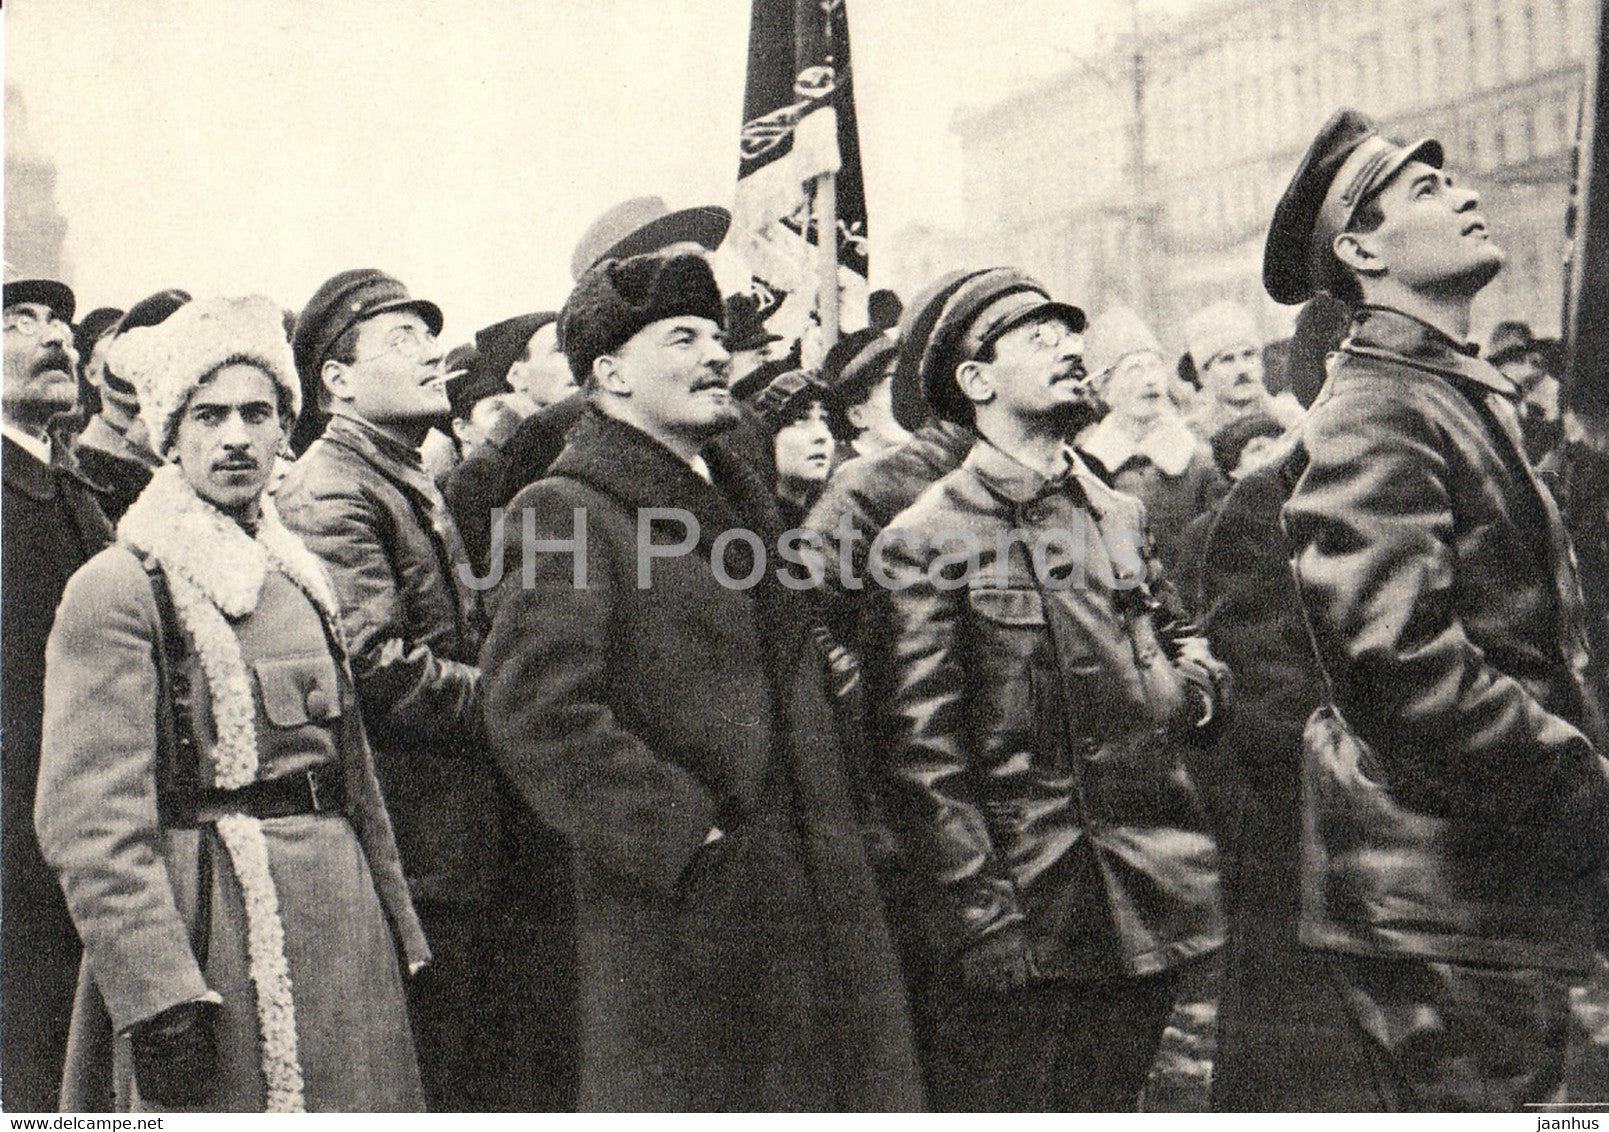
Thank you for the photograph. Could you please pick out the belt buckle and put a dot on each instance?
(313, 791)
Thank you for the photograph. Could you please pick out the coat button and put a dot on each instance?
(318, 704)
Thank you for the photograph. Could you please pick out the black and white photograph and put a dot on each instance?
(804, 556)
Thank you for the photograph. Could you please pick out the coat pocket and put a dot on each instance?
(297, 690)
(1009, 657)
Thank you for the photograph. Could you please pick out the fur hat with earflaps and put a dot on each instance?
(167, 362)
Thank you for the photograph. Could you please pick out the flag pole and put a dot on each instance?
(827, 247)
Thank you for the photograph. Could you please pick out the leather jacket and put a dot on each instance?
(1442, 592)
(1041, 726)
(364, 504)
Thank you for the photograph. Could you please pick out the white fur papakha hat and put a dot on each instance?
(1225, 325)
(167, 362)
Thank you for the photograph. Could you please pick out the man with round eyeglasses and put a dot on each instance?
(1039, 715)
(52, 526)
(363, 501)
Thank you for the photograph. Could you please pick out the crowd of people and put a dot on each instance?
(614, 713)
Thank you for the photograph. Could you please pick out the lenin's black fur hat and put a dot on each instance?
(618, 297)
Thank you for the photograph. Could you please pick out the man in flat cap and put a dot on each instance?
(1457, 834)
(522, 355)
(113, 452)
(654, 694)
(361, 499)
(52, 527)
(1041, 721)
(859, 373)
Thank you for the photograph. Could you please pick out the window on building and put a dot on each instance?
(1523, 45)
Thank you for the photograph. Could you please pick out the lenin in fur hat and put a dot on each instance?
(675, 728)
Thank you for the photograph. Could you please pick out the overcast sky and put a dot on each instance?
(227, 146)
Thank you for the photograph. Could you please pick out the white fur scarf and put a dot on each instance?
(215, 571)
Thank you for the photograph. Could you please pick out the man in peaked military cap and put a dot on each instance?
(362, 501)
(1039, 722)
(1458, 882)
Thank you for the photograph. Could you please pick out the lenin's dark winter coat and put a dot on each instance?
(52, 526)
(753, 973)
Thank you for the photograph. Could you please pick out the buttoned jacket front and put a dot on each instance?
(1040, 723)
(364, 504)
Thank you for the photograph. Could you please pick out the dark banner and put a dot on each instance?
(799, 123)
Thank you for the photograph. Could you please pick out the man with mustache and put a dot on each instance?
(1227, 351)
(1456, 872)
(206, 793)
(1142, 447)
(655, 695)
(52, 526)
(362, 500)
(1040, 721)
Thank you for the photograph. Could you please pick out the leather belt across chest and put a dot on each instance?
(318, 790)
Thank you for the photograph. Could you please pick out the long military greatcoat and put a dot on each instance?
(315, 1018)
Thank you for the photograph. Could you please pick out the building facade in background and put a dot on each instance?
(35, 227)
(1227, 100)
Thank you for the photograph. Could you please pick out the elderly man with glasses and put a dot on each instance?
(362, 500)
(52, 526)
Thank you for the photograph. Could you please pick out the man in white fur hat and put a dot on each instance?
(1227, 350)
(206, 793)
(1142, 446)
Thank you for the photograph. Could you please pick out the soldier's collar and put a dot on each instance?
(1395, 336)
(1020, 483)
(210, 551)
